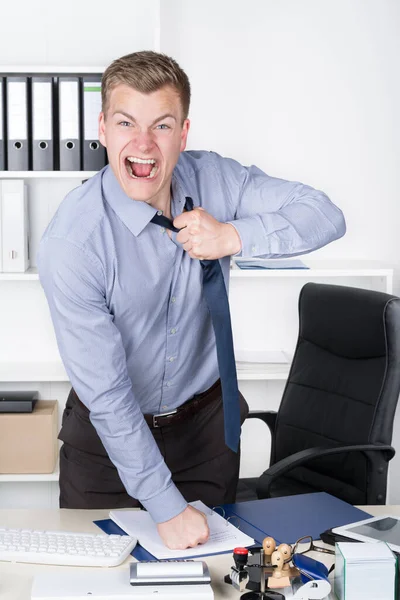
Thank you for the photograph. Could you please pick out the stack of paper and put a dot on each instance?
(224, 537)
(365, 571)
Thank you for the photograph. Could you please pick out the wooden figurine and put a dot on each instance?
(279, 579)
(286, 551)
(269, 546)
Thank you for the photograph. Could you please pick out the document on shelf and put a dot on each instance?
(268, 263)
(224, 536)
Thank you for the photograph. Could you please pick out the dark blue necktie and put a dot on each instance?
(218, 305)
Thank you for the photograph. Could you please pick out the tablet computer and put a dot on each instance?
(377, 529)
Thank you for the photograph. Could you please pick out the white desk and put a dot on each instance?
(16, 578)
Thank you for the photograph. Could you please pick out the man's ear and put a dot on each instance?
(184, 133)
(102, 129)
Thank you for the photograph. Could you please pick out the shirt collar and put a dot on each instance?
(136, 214)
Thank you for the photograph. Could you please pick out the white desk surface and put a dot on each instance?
(16, 578)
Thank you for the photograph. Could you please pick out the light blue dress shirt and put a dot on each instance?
(126, 301)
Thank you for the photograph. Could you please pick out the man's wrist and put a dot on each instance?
(166, 505)
(233, 243)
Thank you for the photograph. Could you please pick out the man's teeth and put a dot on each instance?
(142, 161)
(149, 161)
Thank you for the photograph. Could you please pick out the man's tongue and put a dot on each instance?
(141, 170)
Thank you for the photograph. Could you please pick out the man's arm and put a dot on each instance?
(94, 357)
(281, 218)
(271, 216)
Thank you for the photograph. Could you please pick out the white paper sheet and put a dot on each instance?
(224, 537)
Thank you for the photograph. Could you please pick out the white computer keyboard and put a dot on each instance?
(64, 547)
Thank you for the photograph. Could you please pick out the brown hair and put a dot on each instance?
(146, 72)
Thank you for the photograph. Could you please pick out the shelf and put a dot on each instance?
(31, 372)
(47, 174)
(263, 371)
(29, 477)
(50, 69)
(321, 268)
(54, 371)
(317, 269)
(30, 275)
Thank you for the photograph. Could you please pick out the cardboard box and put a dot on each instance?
(28, 441)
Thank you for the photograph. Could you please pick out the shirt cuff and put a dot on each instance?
(166, 505)
(247, 232)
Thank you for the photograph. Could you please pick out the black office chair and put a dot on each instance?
(334, 426)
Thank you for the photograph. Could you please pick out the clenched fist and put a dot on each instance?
(186, 530)
(203, 237)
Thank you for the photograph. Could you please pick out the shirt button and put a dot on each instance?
(173, 330)
(171, 358)
(168, 383)
(173, 299)
(159, 212)
(162, 229)
(253, 248)
(164, 407)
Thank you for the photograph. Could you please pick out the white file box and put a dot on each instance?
(14, 226)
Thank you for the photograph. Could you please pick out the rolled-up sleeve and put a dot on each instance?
(92, 351)
(279, 218)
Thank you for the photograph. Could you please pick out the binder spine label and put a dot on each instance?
(69, 109)
(1, 111)
(17, 123)
(91, 109)
(42, 110)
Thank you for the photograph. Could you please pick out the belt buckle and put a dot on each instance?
(155, 424)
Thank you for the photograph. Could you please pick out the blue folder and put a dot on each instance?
(108, 526)
(285, 519)
(270, 264)
(289, 518)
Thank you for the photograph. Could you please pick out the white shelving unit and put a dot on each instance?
(264, 305)
(30, 358)
(325, 270)
(29, 477)
(30, 275)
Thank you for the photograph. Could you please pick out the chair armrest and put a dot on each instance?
(268, 416)
(299, 458)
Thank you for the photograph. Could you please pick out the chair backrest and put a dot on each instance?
(342, 388)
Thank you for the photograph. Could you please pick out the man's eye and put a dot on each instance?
(124, 123)
(163, 126)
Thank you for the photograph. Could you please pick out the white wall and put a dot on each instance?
(307, 90)
(76, 32)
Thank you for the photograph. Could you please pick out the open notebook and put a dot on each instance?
(224, 537)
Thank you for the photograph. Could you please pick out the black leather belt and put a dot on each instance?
(186, 410)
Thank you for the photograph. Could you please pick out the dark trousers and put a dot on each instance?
(202, 467)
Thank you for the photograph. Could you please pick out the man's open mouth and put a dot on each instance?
(141, 168)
